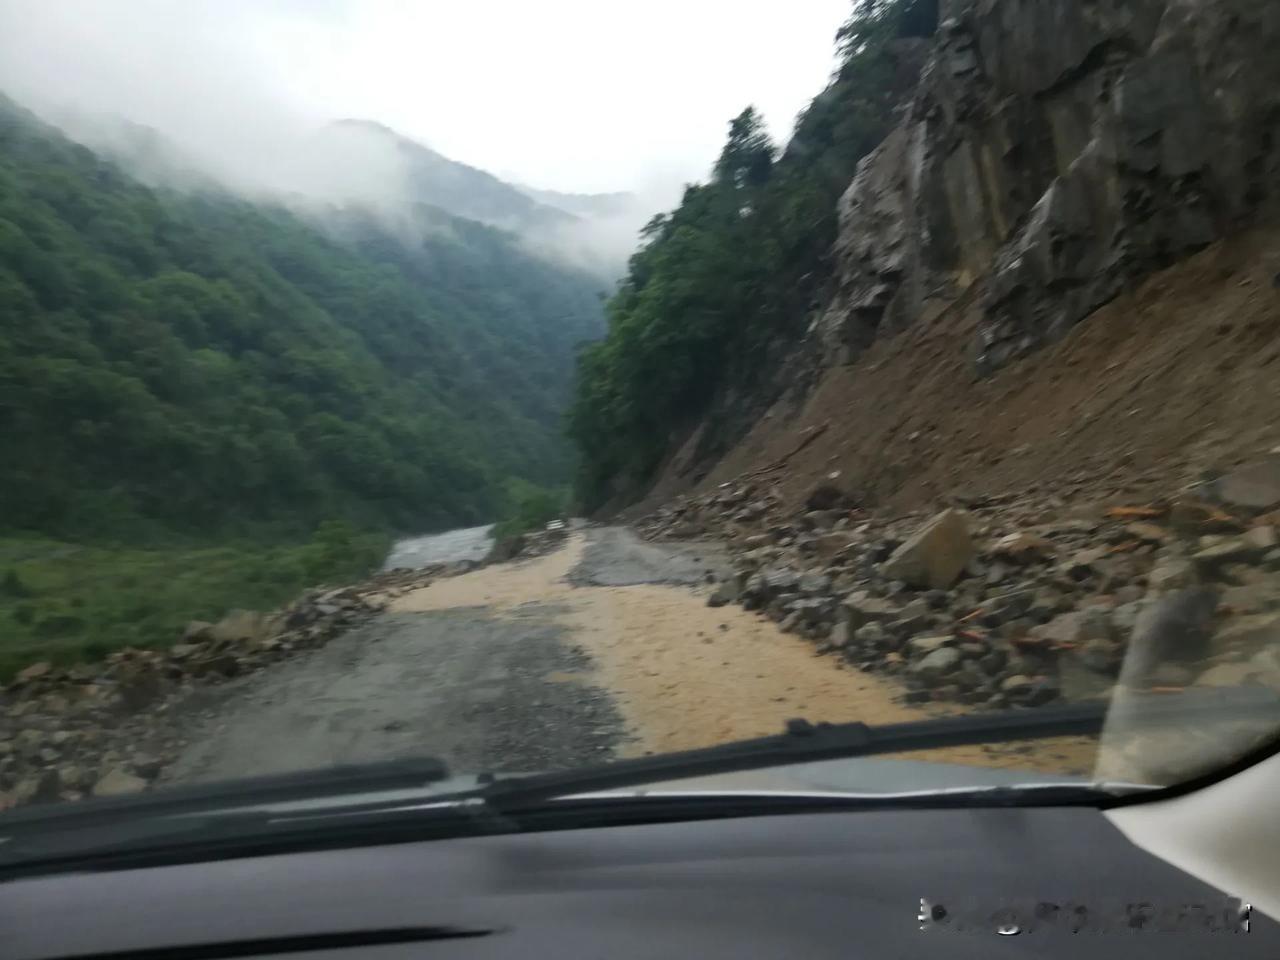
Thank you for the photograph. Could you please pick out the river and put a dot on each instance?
(470, 543)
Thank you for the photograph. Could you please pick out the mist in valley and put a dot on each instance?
(244, 96)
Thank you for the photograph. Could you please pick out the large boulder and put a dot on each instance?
(935, 555)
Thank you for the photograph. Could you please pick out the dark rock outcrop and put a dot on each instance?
(1055, 152)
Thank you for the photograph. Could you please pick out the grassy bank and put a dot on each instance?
(70, 602)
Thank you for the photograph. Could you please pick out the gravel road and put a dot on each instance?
(616, 557)
(604, 648)
(481, 688)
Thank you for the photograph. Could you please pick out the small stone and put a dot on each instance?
(1147, 533)
(727, 592)
(238, 626)
(196, 631)
(75, 777)
(1191, 517)
(1172, 574)
(1100, 656)
(139, 687)
(860, 607)
(1043, 690)
(1226, 675)
(970, 676)
(780, 580)
(994, 662)
(1125, 617)
(827, 496)
(1236, 550)
(1262, 538)
(914, 609)
(1013, 629)
(870, 636)
(34, 672)
(814, 584)
(1085, 563)
(839, 637)
(43, 788)
(1255, 486)
(1043, 608)
(1129, 593)
(1172, 675)
(1064, 629)
(118, 782)
(1015, 683)
(923, 646)
(1021, 548)
(937, 664)
(146, 765)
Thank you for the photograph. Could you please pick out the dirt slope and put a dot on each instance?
(1173, 378)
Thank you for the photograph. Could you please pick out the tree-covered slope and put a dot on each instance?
(724, 285)
(192, 363)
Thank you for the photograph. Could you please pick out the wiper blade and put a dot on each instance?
(338, 781)
(804, 742)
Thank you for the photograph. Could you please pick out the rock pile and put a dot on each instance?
(1015, 600)
(104, 729)
(523, 546)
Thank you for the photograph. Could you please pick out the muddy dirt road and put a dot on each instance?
(604, 648)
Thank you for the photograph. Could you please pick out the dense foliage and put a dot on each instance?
(730, 275)
(193, 364)
(529, 507)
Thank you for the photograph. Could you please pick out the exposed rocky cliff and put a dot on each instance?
(1053, 153)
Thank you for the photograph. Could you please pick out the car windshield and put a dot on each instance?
(537, 389)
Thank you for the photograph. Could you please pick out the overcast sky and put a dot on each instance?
(577, 95)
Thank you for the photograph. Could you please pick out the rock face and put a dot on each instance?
(1055, 152)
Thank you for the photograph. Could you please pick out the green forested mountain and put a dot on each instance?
(726, 280)
(193, 364)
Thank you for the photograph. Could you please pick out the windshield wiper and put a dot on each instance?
(237, 818)
(409, 774)
(804, 742)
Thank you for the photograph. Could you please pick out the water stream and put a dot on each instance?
(470, 543)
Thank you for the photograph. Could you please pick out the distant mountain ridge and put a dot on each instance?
(465, 191)
(584, 204)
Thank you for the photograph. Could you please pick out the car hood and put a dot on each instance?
(857, 777)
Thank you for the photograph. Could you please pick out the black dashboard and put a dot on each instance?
(811, 886)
